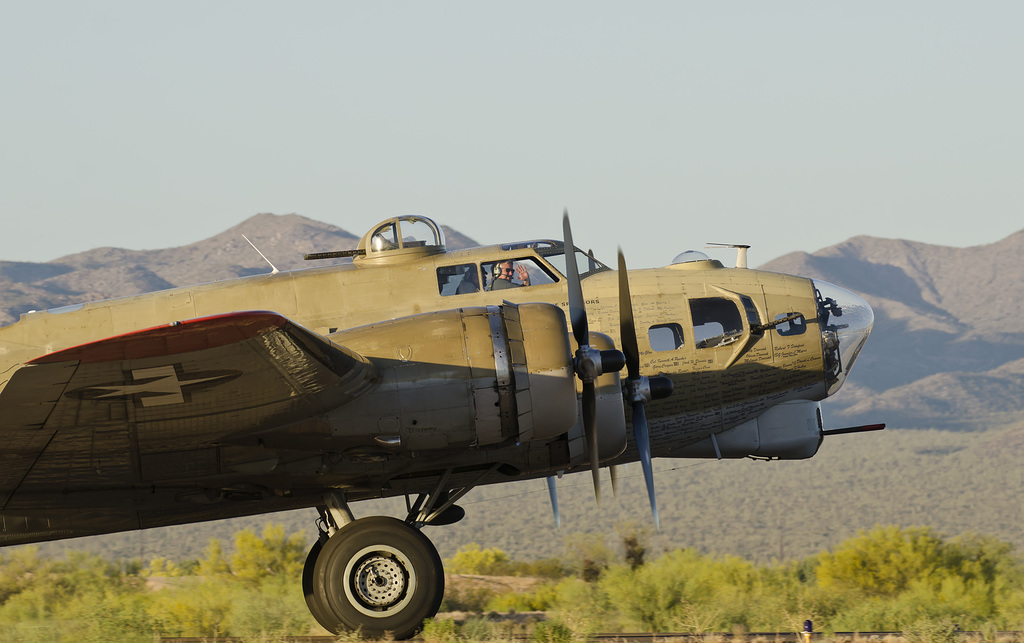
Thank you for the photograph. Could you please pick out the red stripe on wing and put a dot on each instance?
(171, 339)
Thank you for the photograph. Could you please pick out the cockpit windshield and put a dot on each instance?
(554, 253)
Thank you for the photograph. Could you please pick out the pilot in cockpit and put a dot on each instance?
(503, 274)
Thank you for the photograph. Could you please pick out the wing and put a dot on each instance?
(113, 416)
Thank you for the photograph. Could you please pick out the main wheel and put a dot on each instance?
(377, 575)
(313, 602)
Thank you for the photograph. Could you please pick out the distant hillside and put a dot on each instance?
(948, 337)
(102, 273)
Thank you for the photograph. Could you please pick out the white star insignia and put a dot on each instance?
(158, 386)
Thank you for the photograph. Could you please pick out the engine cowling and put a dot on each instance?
(467, 377)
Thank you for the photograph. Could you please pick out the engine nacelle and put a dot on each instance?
(788, 431)
(467, 377)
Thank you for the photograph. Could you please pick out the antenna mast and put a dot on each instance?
(274, 270)
(741, 252)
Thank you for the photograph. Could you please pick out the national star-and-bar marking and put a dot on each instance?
(156, 386)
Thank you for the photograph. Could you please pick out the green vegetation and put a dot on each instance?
(883, 579)
(83, 598)
(887, 578)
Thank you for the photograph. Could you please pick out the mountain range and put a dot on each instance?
(947, 349)
(103, 273)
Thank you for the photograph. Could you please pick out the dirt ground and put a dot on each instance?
(497, 584)
(461, 583)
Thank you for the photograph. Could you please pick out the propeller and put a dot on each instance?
(553, 494)
(588, 362)
(639, 389)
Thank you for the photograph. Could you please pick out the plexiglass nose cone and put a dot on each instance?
(845, 320)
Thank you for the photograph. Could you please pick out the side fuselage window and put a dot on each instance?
(716, 322)
(796, 326)
(665, 337)
(462, 279)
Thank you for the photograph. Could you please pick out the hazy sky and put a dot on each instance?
(660, 125)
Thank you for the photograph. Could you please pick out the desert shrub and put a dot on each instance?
(932, 630)
(467, 599)
(478, 629)
(275, 608)
(588, 555)
(634, 542)
(195, 609)
(552, 568)
(1010, 609)
(470, 559)
(681, 587)
(270, 554)
(915, 574)
(552, 632)
(440, 631)
(81, 599)
(584, 607)
(540, 598)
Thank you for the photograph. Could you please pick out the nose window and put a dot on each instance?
(796, 326)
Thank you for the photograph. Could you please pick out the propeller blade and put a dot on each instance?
(643, 445)
(553, 494)
(627, 328)
(590, 429)
(588, 363)
(577, 309)
(638, 388)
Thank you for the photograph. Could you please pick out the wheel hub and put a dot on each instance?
(380, 581)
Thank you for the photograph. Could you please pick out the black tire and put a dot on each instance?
(316, 607)
(380, 576)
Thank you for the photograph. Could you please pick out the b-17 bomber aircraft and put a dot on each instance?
(409, 370)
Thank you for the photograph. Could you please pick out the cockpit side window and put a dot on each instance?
(585, 263)
(554, 253)
(716, 322)
(462, 279)
(509, 273)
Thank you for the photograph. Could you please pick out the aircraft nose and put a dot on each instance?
(845, 320)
